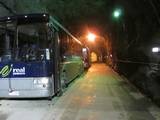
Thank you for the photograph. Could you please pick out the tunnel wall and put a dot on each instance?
(142, 68)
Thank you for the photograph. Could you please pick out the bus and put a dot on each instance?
(30, 56)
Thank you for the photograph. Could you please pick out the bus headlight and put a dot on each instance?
(35, 81)
(41, 81)
(44, 80)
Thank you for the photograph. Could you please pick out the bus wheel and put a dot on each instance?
(50, 98)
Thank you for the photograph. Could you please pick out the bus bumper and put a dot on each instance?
(26, 93)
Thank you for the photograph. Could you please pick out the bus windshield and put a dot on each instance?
(23, 42)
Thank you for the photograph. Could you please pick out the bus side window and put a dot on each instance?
(50, 37)
(51, 41)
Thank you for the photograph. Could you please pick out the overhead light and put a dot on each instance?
(91, 37)
(155, 49)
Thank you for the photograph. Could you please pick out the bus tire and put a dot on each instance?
(50, 98)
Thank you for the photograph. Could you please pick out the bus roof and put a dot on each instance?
(35, 18)
(26, 18)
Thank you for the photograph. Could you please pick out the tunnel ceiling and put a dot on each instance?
(93, 13)
(79, 15)
(98, 14)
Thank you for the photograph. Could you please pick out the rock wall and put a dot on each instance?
(144, 70)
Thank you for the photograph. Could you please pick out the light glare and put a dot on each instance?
(91, 37)
(44, 80)
(117, 13)
(155, 49)
(84, 49)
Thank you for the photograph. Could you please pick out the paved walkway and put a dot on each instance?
(101, 94)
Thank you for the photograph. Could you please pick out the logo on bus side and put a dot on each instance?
(6, 70)
(19, 71)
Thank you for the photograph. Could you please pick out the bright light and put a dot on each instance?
(91, 37)
(44, 80)
(117, 13)
(155, 49)
(44, 15)
(41, 81)
(84, 49)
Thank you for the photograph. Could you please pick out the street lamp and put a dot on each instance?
(117, 13)
(91, 37)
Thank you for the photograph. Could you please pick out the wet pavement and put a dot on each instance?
(99, 94)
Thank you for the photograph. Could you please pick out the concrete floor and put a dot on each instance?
(100, 94)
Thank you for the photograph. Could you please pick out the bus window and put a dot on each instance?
(7, 37)
(32, 41)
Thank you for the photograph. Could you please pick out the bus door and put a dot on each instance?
(53, 33)
(6, 40)
(57, 83)
(13, 78)
(5, 81)
(9, 84)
